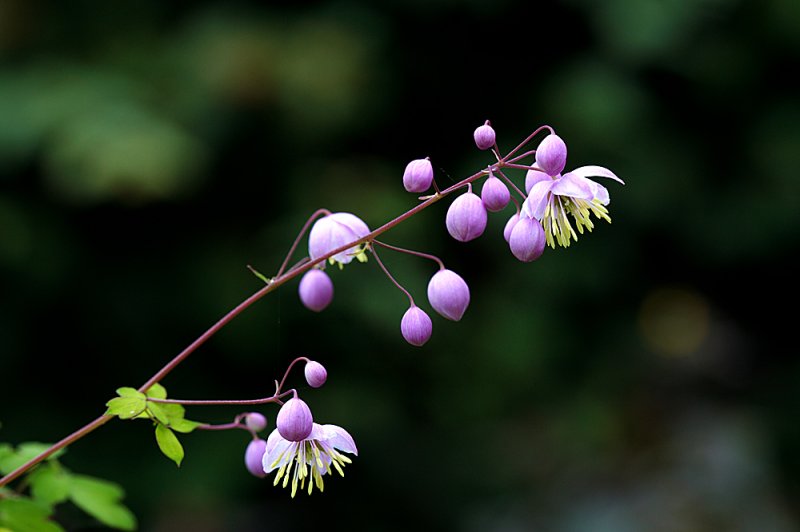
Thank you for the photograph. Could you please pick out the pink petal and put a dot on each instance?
(536, 202)
(532, 177)
(573, 186)
(339, 438)
(596, 171)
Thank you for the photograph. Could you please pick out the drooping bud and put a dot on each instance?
(316, 374)
(255, 421)
(551, 155)
(532, 177)
(448, 294)
(418, 175)
(466, 218)
(334, 231)
(484, 136)
(416, 326)
(294, 420)
(527, 239)
(510, 226)
(316, 290)
(495, 194)
(253, 456)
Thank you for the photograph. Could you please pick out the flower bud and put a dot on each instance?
(551, 155)
(253, 455)
(495, 194)
(316, 290)
(533, 177)
(466, 218)
(527, 239)
(510, 226)
(294, 420)
(316, 374)
(418, 175)
(416, 326)
(484, 136)
(334, 231)
(255, 421)
(448, 294)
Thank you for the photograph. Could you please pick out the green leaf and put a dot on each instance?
(174, 411)
(157, 391)
(126, 407)
(129, 392)
(100, 499)
(50, 484)
(12, 459)
(169, 444)
(158, 413)
(23, 515)
(184, 425)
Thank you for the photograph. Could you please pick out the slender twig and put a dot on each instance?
(411, 252)
(277, 281)
(527, 140)
(510, 183)
(391, 278)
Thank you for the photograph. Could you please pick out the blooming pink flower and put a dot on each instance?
(309, 459)
(334, 231)
(553, 196)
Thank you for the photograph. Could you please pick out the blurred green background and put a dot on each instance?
(646, 378)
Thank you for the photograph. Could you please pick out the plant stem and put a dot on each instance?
(277, 281)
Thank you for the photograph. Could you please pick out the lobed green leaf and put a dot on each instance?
(157, 391)
(24, 515)
(50, 484)
(100, 499)
(126, 407)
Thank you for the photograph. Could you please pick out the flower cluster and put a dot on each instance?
(301, 450)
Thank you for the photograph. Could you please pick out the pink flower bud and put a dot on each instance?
(255, 421)
(334, 231)
(294, 420)
(466, 218)
(418, 175)
(527, 239)
(510, 226)
(316, 290)
(253, 455)
(551, 155)
(495, 194)
(416, 326)
(448, 294)
(316, 374)
(484, 136)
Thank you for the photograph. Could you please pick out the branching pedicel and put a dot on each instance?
(301, 450)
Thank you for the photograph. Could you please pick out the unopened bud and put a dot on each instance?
(484, 136)
(253, 456)
(255, 421)
(294, 420)
(551, 155)
(527, 239)
(316, 374)
(416, 326)
(418, 175)
(448, 294)
(495, 194)
(466, 218)
(316, 290)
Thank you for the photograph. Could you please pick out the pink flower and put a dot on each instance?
(553, 196)
(309, 459)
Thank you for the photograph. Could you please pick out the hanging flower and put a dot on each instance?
(552, 196)
(310, 459)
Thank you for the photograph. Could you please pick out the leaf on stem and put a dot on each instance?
(169, 444)
(100, 499)
(50, 483)
(24, 515)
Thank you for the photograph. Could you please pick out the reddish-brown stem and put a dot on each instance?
(510, 183)
(527, 140)
(411, 252)
(226, 402)
(391, 278)
(286, 373)
(299, 237)
(277, 281)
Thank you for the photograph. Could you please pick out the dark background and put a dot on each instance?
(646, 378)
